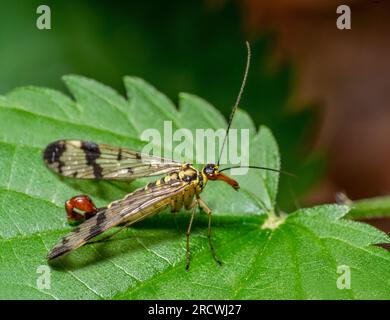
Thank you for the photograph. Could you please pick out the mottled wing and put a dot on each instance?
(134, 207)
(88, 160)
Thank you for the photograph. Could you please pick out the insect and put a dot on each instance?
(180, 187)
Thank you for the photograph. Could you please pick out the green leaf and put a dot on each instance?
(297, 260)
(264, 256)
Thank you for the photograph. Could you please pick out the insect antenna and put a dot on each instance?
(248, 62)
(261, 168)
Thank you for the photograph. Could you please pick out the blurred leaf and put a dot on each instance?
(378, 207)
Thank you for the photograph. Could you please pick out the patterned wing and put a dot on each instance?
(88, 160)
(134, 207)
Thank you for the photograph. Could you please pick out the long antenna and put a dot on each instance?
(248, 62)
(261, 168)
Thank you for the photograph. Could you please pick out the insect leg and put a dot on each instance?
(206, 208)
(203, 206)
(83, 203)
(188, 236)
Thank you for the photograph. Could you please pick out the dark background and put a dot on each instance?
(323, 92)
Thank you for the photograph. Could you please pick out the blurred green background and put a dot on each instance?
(190, 46)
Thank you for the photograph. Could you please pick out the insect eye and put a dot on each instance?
(209, 170)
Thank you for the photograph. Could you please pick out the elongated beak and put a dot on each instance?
(232, 182)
